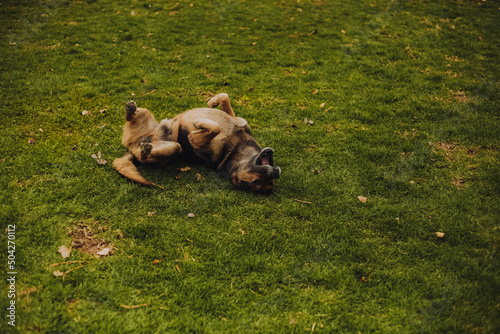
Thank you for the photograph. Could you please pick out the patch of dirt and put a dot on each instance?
(450, 150)
(459, 182)
(85, 240)
(460, 97)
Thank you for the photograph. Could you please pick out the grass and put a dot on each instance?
(404, 102)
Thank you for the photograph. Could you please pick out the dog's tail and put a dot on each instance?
(126, 167)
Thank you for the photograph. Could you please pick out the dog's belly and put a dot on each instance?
(216, 150)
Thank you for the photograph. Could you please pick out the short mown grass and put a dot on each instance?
(394, 101)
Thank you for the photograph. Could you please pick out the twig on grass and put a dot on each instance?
(148, 93)
(133, 306)
(300, 201)
(64, 275)
(68, 262)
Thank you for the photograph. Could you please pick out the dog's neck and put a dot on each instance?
(240, 156)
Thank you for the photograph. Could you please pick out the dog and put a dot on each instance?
(216, 136)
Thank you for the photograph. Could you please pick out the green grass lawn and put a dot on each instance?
(394, 101)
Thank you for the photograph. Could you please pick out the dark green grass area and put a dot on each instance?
(394, 101)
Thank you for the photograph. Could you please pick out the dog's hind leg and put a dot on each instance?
(207, 130)
(222, 99)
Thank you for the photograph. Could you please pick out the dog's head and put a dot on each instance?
(258, 174)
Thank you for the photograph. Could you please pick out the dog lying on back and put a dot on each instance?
(218, 137)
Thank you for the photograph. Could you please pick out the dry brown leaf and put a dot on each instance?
(322, 105)
(362, 199)
(64, 251)
(315, 91)
(151, 213)
(85, 113)
(191, 215)
(57, 273)
(184, 169)
(98, 158)
(31, 141)
(440, 234)
(156, 261)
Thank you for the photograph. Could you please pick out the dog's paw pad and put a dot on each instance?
(146, 148)
(131, 107)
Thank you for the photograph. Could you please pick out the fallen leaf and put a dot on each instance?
(306, 120)
(315, 91)
(41, 130)
(362, 199)
(57, 273)
(31, 141)
(184, 169)
(177, 267)
(151, 213)
(440, 234)
(316, 171)
(85, 112)
(322, 105)
(64, 251)
(104, 252)
(199, 178)
(191, 215)
(342, 31)
(156, 261)
(98, 158)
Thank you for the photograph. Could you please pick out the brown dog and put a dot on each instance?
(216, 136)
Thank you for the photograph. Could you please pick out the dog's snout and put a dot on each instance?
(275, 173)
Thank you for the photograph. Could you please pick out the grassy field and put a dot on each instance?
(393, 101)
